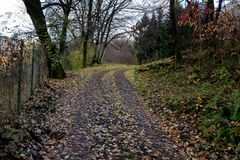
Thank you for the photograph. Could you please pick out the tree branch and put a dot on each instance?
(50, 5)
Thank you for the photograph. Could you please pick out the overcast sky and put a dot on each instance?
(10, 5)
(13, 17)
(19, 21)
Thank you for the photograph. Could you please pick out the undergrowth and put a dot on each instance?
(206, 97)
(74, 60)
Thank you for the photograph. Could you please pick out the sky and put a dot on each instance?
(13, 18)
(10, 5)
(19, 21)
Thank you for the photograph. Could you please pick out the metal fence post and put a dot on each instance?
(32, 70)
(20, 77)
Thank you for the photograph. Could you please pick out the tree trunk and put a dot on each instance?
(105, 24)
(63, 35)
(66, 10)
(107, 36)
(95, 59)
(219, 9)
(86, 38)
(209, 15)
(55, 69)
(98, 28)
(174, 30)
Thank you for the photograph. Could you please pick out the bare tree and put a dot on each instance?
(66, 6)
(98, 24)
(107, 23)
(34, 9)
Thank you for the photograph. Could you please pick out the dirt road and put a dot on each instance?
(112, 123)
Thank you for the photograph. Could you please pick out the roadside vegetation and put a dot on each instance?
(198, 105)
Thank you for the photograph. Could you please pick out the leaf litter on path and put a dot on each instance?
(108, 121)
(96, 114)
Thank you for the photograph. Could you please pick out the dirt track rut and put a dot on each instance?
(112, 123)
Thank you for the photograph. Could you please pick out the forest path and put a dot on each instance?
(111, 122)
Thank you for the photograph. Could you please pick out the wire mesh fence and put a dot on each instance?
(22, 69)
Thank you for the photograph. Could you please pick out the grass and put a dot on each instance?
(205, 97)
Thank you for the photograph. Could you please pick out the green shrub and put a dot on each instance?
(234, 98)
(224, 75)
(208, 88)
(228, 133)
(223, 110)
(74, 60)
